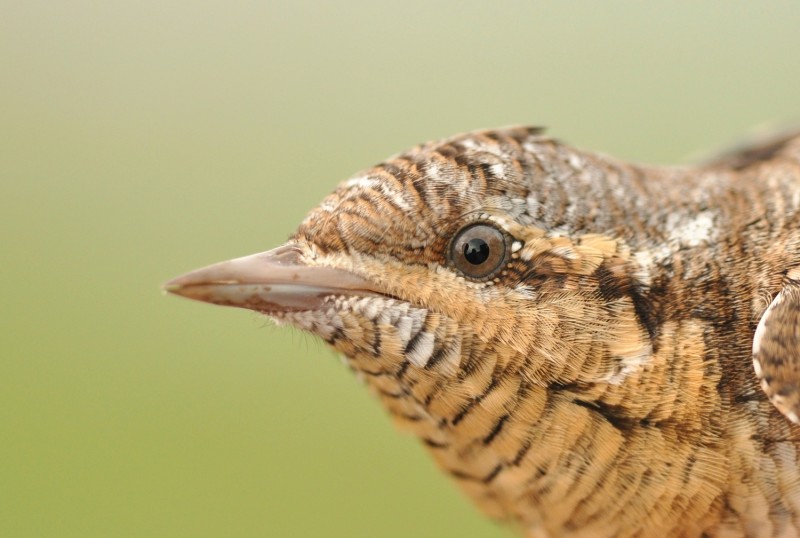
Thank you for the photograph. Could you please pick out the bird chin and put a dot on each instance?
(334, 313)
(379, 334)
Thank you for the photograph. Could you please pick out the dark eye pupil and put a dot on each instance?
(476, 251)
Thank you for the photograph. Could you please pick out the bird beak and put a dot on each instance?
(271, 282)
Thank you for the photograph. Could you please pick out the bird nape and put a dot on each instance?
(588, 347)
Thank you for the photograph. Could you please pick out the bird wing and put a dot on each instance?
(776, 348)
(755, 149)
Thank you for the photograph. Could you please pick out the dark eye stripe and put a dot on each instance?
(478, 250)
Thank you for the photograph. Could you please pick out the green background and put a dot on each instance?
(142, 139)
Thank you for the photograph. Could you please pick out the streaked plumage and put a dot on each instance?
(571, 336)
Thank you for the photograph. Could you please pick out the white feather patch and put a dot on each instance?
(421, 352)
(694, 231)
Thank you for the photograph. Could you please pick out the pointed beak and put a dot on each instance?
(271, 282)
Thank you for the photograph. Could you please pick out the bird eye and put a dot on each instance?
(478, 250)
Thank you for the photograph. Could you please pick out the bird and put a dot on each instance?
(586, 346)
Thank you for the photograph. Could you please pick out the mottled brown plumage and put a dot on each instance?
(571, 336)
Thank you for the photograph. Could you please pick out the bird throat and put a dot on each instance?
(506, 436)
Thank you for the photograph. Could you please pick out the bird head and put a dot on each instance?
(455, 263)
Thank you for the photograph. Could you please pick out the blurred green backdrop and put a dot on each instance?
(142, 139)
